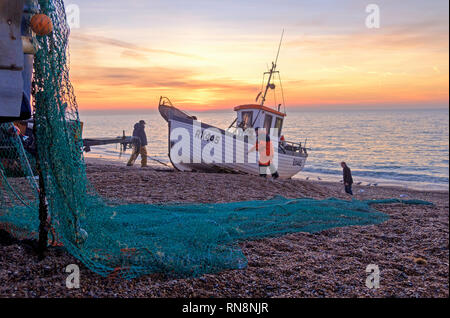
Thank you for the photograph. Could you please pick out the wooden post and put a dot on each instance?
(43, 216)
(43, 205)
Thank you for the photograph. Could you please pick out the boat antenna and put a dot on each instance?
(279, 47)
(272, 71)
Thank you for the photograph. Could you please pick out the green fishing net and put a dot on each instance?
(181, 240)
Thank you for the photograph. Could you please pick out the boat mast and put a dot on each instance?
(272, 71)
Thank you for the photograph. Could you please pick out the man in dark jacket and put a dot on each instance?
(140, 147)
(348, 179)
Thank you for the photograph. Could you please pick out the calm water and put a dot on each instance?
(388, 147)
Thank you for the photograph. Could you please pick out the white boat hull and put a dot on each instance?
(229, 159)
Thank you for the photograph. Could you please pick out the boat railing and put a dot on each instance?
(286, 147)
(291, 147)
(165, 101)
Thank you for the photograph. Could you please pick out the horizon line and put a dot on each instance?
(292, 108)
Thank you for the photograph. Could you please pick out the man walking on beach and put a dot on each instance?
(140, 147)
(266, 152)
(348, 179)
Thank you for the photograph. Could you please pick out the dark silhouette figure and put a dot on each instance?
(348, 179)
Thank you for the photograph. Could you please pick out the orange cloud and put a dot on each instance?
(116, 87)
(96, 39)
(396, 65)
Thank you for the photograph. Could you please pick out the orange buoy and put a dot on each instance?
(41, 24)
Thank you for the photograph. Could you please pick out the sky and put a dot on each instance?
(211, 54)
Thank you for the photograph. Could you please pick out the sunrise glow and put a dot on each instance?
(211, 55)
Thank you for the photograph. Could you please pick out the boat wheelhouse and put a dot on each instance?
(253, 116)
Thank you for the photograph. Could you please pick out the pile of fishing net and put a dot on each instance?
(184, 240)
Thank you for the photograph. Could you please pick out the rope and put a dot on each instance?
(282, 92)
(158, 161)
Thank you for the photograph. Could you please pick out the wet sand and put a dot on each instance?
(411, 249)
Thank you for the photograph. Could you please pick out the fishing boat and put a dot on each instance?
(198, 146)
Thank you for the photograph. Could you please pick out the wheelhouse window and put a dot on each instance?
(268, 123)
(247, 120)
(279, 125)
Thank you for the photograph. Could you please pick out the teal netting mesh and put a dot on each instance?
(132, 240)
(18, 186)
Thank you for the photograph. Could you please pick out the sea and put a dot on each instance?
(383, 147)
